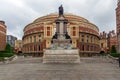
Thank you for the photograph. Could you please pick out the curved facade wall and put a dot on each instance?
(2, 35)
(38, 34)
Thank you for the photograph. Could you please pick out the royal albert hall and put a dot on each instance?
(2, 35)
(38, 34)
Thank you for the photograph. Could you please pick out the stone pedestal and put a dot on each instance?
(61, 56)
(61, 50)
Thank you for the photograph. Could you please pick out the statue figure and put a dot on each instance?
(61, 10)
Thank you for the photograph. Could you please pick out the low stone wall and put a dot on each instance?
(7, 60)
(112, 59)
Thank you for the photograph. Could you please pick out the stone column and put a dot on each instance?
(57, 27)
(61, 28)
(65, 27)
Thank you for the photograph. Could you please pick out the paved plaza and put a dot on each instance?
(95, 68)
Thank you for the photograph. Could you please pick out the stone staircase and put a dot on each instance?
(61, 56)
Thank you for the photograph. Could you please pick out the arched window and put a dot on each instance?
(39, 47)
(34, 47)
(48, 31)
(31, 48)
(83, 47)
(87, 40)
(34, 38)
(82, 40)
(82, 35)
(88, 47)
(91, 39)
(39, 35)
(74, 31)
(30, 38)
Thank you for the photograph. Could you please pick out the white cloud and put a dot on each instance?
(16, 31)
(18, 13)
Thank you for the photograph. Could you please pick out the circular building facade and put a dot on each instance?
(2, 35)
(38, 34)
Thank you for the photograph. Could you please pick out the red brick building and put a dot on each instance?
(107, 40)
(112, 39)
(38, 34)
(118, 25)
(2, 35)
(103, 42)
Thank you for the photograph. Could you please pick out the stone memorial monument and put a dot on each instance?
(61, 50)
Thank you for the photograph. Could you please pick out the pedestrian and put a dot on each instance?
(119, 61)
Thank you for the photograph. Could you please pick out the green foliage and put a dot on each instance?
(8, 48)
(113, 49)
(6, 54)
(1, 58)
(2, 51)
(117, 55)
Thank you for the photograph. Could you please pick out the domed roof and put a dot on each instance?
(66, 15)
(50, 18)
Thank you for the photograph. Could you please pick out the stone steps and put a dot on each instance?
(61, 56)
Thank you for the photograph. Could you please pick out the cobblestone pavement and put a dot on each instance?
(33, 69)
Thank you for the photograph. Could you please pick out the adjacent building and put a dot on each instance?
(18, 46)
(107, 40)
(2, 35)
(38, 34)
(11, 40)
(103, 42)
(112, 39)
(118, 25)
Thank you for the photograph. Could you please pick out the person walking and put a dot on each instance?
(119, 61)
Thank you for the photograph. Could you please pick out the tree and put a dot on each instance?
(8, 48)
(113, 49)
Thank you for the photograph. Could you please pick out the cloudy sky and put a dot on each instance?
(18, 13)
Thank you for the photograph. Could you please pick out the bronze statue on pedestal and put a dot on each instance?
(61, 10)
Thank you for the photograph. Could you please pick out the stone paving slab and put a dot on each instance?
(34, 69)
